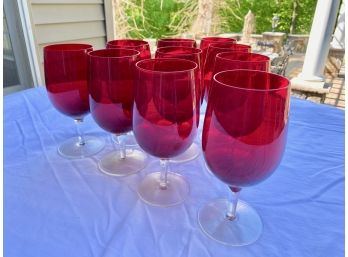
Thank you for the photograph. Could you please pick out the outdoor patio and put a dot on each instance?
(336, 95)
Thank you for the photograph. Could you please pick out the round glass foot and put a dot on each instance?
(71, 148)
(175, 193)
(190, 154)
(245, 229)
(112, 164)
(128, 139)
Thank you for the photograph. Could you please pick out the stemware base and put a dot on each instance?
(190, 154)
(175, 193)
(72, 149)
(245, 229)
(112, 164)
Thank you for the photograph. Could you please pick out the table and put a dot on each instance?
(59, 207)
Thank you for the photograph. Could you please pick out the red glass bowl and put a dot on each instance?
(176, 42)
(66, 73)
(206, 41)
(164, 119)
(245, 126)
(209, 63)
(187, 53)
(140, 45)
(111, 88)
(239, 60)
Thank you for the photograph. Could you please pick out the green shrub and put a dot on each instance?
(234, 11)
(155, 21)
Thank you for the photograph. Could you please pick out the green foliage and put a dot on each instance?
(233, 12)
(305, 18)
(148, 19)
(152, 21)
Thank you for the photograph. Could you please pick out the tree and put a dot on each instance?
(294, 16)
(203, 22)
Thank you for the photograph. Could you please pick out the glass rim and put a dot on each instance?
(216, 37)
(56, 47)
(94, 53)
(170, 39)
(140, 41)
(166, 59)
(266, 58)
(252, 89)
(214, 45)
(246, 46)
(193, 49)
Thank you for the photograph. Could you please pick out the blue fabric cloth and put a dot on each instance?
(59, 207)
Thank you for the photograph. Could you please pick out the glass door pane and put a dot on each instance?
(10, 68)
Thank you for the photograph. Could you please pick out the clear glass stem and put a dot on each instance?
(231, 213)
(122, 145)
(164, 174)
(80, 135)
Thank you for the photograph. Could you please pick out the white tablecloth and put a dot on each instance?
(54, 207)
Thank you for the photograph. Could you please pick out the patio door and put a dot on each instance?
(16, 64)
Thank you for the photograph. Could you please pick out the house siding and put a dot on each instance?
(67, 21)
